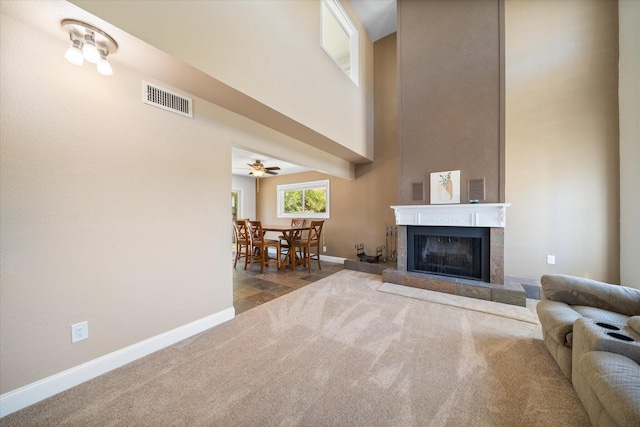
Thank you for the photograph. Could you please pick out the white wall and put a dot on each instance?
(268, 50)
(247, 186)
(629, 93)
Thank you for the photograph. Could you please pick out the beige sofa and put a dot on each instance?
(592, 331)
(606, 371)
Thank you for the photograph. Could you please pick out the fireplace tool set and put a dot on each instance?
(391, 236)
(368, 258)
(391, 243)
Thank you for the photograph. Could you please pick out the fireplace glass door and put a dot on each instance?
(449, 251)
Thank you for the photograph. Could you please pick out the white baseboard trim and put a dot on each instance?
(339, 260)
(22, 397)
(335, 259)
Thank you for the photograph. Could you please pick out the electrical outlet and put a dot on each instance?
(79, 331)
(551, 259)
(324, 249)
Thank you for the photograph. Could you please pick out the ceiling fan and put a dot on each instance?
(259, 169)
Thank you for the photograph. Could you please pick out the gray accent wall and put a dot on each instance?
(449, 72)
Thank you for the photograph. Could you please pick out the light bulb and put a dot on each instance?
(104, 67)
(89, 50)
(74, 54)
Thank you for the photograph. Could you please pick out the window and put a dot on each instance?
(304, 200)
(339, 37)
(236, 212)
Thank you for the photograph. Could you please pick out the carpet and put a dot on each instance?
(334, 353)
(523, 314)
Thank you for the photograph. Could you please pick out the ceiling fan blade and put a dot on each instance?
(273, 168)
(271, 172)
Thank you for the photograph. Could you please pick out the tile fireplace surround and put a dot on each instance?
(489, 215)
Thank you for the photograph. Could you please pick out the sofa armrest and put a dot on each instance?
(579, 291)
(588, 336)
(613, 380)
(557, 320)
(634, 324)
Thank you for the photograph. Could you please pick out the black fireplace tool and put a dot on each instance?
(363, 257)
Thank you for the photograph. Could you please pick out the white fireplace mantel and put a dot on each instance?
(467, 215)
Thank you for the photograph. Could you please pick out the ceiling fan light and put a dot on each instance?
(258, 173)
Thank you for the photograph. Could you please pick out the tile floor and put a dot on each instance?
(250, 288)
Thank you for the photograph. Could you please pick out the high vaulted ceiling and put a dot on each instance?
(377, 16)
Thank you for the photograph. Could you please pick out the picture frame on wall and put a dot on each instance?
(445, 187)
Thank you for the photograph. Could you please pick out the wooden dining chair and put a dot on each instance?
(243, 241)
(262, 245)
(306, 245)
(284, 244)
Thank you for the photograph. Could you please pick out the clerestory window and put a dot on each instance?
(339, 38)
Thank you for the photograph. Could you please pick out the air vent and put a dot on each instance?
(167, 100)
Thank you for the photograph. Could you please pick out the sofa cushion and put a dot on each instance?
(615, 380)
(634, 323)
(579, 291)
(601, 315)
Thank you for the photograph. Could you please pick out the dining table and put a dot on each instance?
(289, 233)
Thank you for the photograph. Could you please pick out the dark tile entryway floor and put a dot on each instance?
(250, 288)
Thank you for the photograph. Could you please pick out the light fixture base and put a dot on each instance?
(78, 28)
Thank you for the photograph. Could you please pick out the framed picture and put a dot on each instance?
(445, 187)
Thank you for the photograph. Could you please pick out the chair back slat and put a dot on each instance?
(297, 222)
(255, 231)
(240, 229)
(315, 230)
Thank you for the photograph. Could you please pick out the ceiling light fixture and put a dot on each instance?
(104, 67)
(90, 43)
(74, 53)
(89, 49)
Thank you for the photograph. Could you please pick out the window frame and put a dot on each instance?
(311, 185)
(338, 12)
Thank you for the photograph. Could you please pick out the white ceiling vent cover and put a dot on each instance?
(167, 100)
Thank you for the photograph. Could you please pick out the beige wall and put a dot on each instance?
(449, 74)
(111, 210)
(256, 47)
(629, 93)
(562, 138)
(360, 208)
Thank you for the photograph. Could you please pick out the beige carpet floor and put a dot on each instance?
(524, 314)
(334, 353)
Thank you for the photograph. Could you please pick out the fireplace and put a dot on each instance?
(462, 266)
(474, 219)
(449, 251)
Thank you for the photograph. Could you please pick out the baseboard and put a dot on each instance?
(32, 393)
(338, 260)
